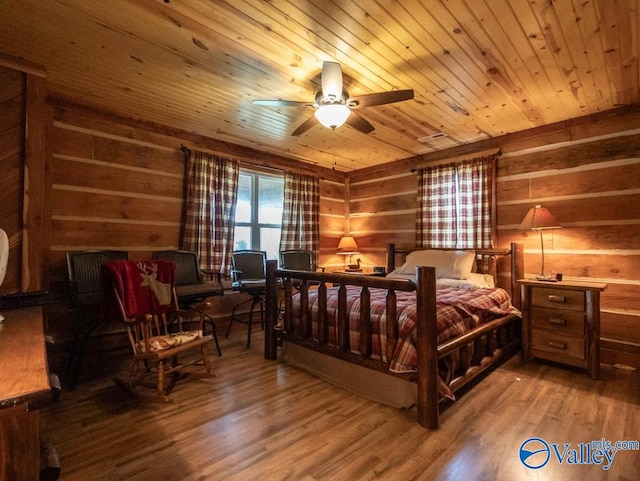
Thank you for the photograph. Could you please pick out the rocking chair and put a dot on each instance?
(146, 298)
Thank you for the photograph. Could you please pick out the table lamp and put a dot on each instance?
(348, 246)
(538, 219)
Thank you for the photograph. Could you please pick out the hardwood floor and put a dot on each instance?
(265, 420)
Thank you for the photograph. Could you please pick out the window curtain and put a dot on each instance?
(456, 205)
(301, 213)
(212, 191)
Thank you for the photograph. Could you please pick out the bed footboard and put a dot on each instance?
(280, 324)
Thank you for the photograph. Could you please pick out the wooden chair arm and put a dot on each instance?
(212, 275)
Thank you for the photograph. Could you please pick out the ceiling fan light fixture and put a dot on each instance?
(332, 116)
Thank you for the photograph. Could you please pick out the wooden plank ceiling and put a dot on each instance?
(479, 68)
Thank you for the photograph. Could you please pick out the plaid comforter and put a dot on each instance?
(458, 311)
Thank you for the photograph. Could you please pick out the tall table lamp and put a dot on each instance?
(538, 219)
(348, 246)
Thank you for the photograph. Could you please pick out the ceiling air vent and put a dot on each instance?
(439, 140)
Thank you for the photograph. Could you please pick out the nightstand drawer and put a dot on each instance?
(548, 341)
(558, 298)
(569, 322)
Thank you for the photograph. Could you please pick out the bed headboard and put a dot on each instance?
(486, 262)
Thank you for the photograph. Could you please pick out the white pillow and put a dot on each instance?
(449, 264)
(473, 280)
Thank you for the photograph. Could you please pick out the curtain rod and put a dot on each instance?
(460, 158)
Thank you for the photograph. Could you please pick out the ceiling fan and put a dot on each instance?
(333, 106)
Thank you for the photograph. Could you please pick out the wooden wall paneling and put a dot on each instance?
(88, 120)
(592, 187)
(155, 158)
(385, 222)
(382, 211)
(603, 177)
(104, 176)
(112, 206)
(623, 235)
(332, 207)
(601, 210)
(131, 236)
(113, 187)
(35, 234)
(71, 142)
(403, 182)
(400, 202)
(333, 190)
(620, 326)
(332, 222)
(165, 135)
(586, 171)
(577, 153)
(12, 131)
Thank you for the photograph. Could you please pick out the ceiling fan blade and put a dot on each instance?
(306, 125)
(380, 98)
(331, 80)
(358, 122)
(282, 103)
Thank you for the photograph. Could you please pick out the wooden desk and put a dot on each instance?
(24, 387)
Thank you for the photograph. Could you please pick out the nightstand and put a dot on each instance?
(561, 322)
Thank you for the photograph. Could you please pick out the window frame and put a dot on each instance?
(254, 225)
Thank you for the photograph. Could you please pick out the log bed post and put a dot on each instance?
(427, 347)
(517, 272)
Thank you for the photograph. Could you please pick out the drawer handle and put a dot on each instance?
(558, 321)
(557, 345)
(557, 299)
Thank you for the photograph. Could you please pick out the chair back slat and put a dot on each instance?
(187, 265)
(83, 268)
(249, 265)
(297, 260)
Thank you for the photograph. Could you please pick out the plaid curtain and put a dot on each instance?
(212, 190)
(456, 205)
(301, 213)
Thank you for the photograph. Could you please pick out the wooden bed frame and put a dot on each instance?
(505, 331)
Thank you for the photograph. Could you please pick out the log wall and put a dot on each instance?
(24, 182)
(586, 171)
(118, 184)
(12, 123)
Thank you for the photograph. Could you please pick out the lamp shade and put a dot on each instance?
(539, 218)
(332, 116)
(347, 245)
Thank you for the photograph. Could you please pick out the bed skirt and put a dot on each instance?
(370, 384)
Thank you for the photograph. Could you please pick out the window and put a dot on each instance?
(259, 212)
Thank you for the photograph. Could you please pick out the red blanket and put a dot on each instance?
(144, 287)
(458, 311)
